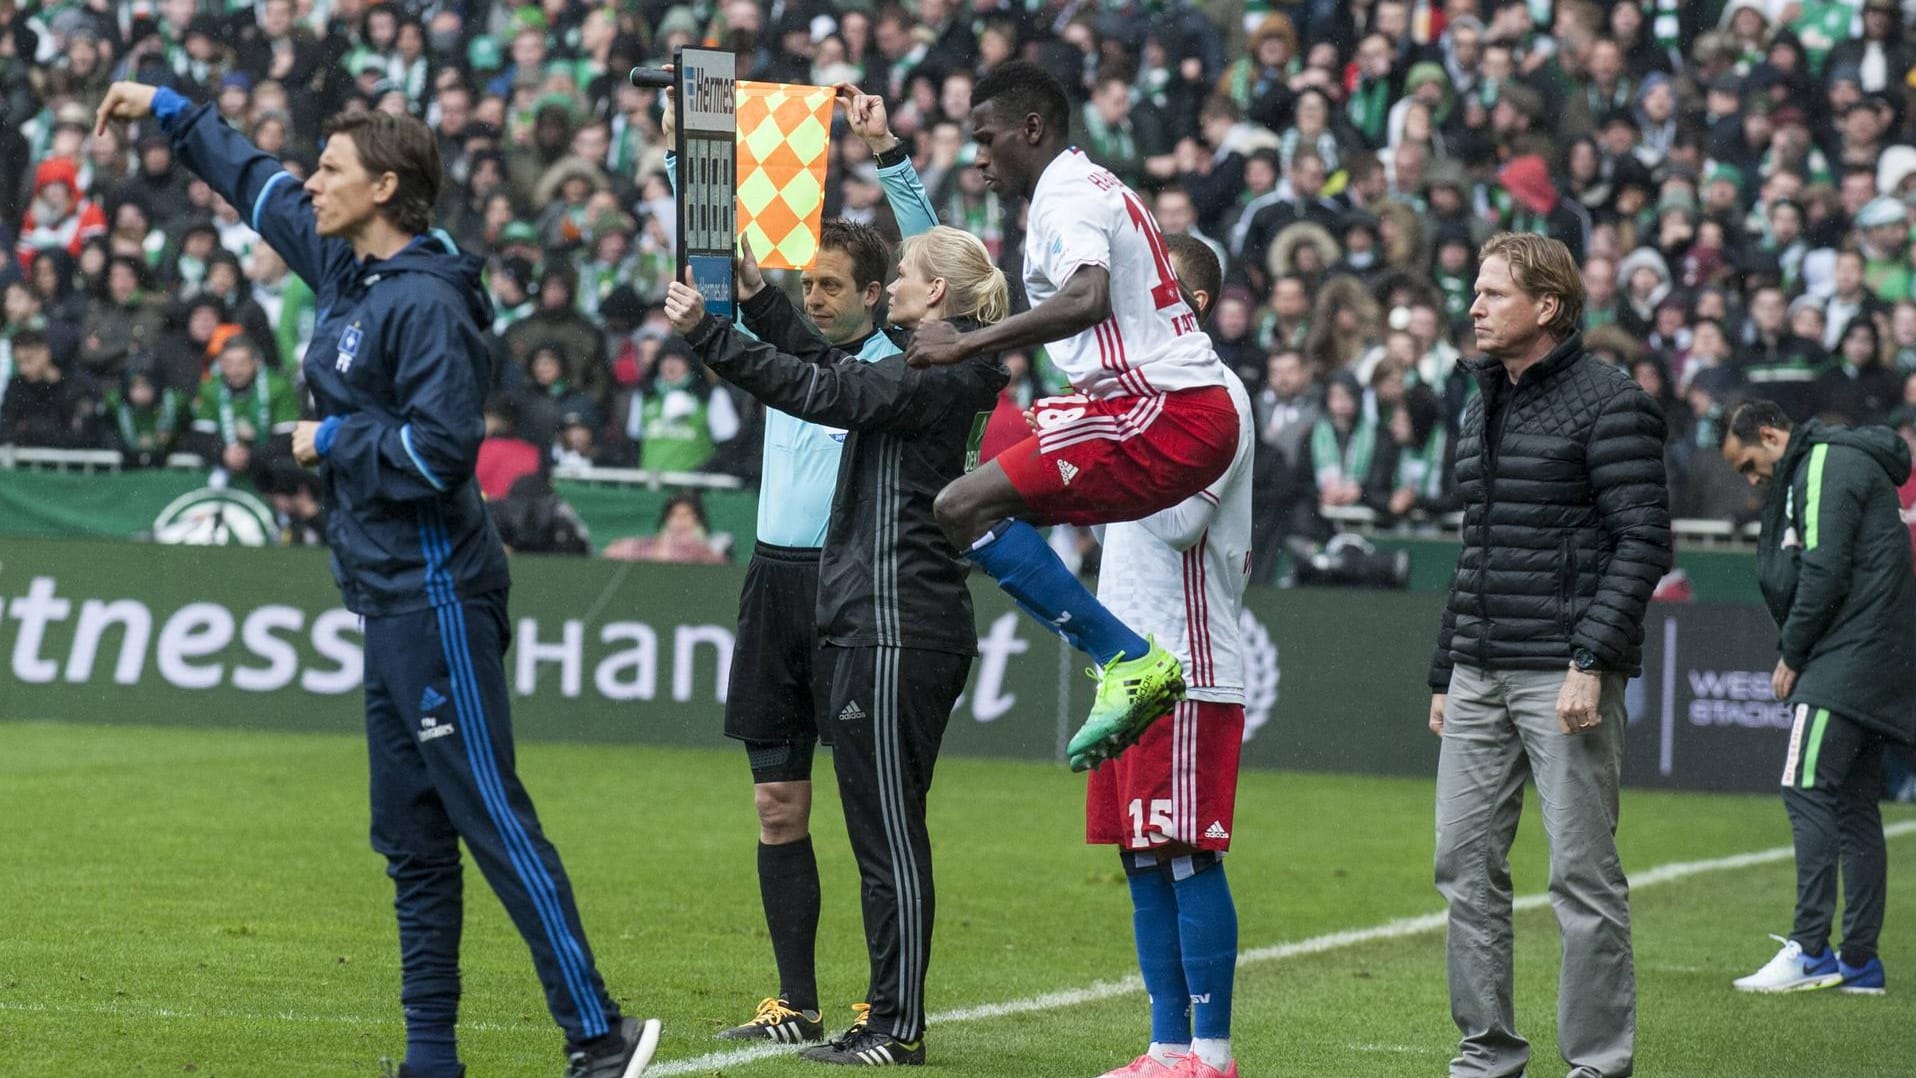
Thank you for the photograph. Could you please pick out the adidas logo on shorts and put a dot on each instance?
(1067, 471)
(852, 712)
(1216, 831)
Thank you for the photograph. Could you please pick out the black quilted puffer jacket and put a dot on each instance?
(1566, 519)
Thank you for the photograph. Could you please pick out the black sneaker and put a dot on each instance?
(868, 1048)
(623, 1053)
(778, 1021)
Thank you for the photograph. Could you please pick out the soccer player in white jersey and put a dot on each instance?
(1150, 424)
(1167, 802)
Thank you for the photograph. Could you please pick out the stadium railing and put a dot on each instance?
(651, 480)
(24, 458)
(1710, 534)
(28, 458)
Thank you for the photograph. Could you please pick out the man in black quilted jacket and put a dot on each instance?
(1566, 532)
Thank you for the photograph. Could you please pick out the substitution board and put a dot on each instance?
(707, 117)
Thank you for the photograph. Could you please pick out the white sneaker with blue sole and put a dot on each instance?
(1793, 971)
(1863, 980)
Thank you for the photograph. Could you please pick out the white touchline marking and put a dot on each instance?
(1408, 926)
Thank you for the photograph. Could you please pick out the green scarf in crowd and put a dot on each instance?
(1352, 462)
(262, 409)
(151, 427)
(1422, 470)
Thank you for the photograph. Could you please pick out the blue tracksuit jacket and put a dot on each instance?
(399, 371)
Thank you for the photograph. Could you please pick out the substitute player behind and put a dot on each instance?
(775, 700)
(1151, 424)
(399, 369)
(1167, 801)
(893, 606)
(1833, 563)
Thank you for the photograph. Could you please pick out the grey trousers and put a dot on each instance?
(1500, 730)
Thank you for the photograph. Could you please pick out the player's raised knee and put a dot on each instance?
(957, 514)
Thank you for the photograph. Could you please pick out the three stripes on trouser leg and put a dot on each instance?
(551, 905)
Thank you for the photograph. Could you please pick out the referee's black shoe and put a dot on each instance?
(868, 1048)
(622, 1053)
(779, 1022)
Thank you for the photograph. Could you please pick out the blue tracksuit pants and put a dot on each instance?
(439, 737)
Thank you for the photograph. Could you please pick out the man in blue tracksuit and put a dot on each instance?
(775, 697)
(398, 369)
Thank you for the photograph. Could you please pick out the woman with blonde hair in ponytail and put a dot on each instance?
(946, 274)
(894, 615)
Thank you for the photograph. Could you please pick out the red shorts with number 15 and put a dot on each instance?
(1097, 461)
(1178, 784)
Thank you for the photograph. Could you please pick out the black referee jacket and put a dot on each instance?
(887, 577)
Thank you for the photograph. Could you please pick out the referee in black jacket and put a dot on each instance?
(893, 607)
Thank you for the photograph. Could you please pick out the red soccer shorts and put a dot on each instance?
(1104, 461)
(1177, 784)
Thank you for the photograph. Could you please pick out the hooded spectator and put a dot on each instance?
(59, 218)
(1536, 205)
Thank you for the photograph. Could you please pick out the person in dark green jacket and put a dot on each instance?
(1834, 566)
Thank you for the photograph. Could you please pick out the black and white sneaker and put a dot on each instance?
(868, 1048)
(779, 1022)
(623, 1053)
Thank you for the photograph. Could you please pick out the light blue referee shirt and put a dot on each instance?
(800, 469)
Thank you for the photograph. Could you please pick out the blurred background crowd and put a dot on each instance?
(1736, 177)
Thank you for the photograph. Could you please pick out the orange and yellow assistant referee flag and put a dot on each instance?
(784, 139)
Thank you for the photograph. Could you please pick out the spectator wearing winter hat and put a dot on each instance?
(511, 283)
(609, 258)
(1884, 241)
(565, 190)
(1535, 206)
(1656, 119)
(556, 318)
(59, 217)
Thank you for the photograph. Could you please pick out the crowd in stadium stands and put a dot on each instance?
(1737, 179)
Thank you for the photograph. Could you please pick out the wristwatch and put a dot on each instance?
(1584, 659)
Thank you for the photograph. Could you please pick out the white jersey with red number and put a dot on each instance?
(1082, 215)
(1189, 599)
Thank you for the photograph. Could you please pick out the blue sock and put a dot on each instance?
(1154, 918)
(1207, 938)
(432, 1050)
(1016, 556)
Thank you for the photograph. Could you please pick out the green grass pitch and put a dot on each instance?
(204, 902)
